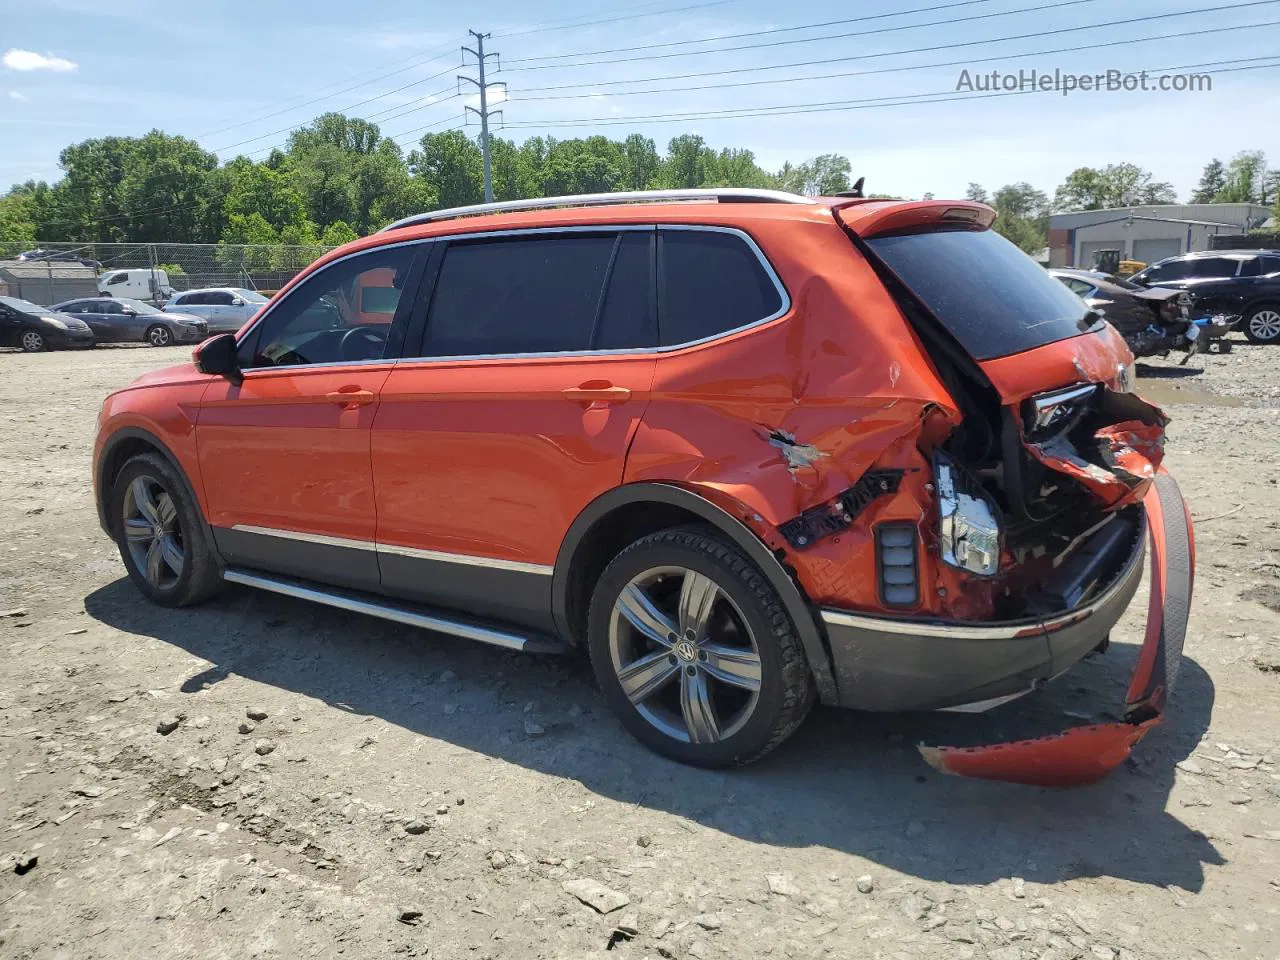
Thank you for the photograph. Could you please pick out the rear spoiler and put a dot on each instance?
(868, 218)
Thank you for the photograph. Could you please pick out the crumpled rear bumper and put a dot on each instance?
(1085, 755)
(893, 664)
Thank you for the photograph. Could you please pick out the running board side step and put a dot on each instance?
(386, 609)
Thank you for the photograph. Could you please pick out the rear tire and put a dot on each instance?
(1262, 323)
(694, 651)
(162, 537)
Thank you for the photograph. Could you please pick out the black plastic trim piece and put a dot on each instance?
(837, 514)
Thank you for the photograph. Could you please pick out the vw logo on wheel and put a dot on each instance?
(686, 651)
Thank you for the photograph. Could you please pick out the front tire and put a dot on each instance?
(160, 533)
(1262, 324)
(33, 341)
(694, 652)
(159, 335)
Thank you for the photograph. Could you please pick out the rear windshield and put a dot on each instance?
(992, 297)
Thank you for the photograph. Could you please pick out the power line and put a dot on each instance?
(892, 53)
(774, 81)
(776, 30)
(299, 126)
(563, 25)
(794, 109)
(432, 58)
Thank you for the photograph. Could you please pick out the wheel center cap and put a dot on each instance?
(687, 651)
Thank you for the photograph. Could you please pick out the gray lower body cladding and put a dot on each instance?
(892, 664)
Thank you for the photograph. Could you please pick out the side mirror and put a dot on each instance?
(129, 311)
(237, 302)
(219, 356)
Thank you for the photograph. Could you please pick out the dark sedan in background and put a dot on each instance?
(120, 320)
(1152, 321)
(35, 328)
(1243, 283)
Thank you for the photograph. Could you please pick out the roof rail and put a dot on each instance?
(716, 194)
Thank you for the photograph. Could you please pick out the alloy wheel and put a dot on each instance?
(153, 532)
(1265, 325)
(159, 336)
(684, 655)
(32, 342)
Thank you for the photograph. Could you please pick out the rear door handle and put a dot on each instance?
(593, 393)
(350, 396)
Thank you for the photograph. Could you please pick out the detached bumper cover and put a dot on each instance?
(1085, 755)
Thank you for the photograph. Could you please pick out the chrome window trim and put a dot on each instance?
(783, 309)
(271, 305)
(783, 295)
(466, 559)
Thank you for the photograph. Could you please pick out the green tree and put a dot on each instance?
(16, 225)
(336, 234)
(1115, 185)
(736, 168)
(977, 193)
(450, 165)
(1245, 178)
(686, 163)
(1212, 180)
(258, 189)
(821, 176)
(641, 164)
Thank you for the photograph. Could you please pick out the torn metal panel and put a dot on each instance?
(795, 453)
(1085, 755)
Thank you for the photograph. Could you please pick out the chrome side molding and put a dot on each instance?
(400, 613)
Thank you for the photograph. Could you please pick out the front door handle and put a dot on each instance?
(350, 396)
(598, 392)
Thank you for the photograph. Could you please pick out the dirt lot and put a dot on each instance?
(408, 794)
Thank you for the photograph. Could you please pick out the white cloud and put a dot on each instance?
(15, 95)
(16, 59)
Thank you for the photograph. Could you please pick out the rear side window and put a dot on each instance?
(992, 297)
(1270, 265)
(1251, 267)
(709, 283)
(1214, 267)
(542, 294)
(186, 300)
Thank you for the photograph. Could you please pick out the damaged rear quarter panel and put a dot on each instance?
(803, 407)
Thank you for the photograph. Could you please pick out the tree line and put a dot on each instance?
(338, 178)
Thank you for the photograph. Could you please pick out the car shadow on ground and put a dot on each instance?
(847, 781)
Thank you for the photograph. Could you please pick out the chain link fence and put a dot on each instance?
(59, 271)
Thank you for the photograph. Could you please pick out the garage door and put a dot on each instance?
(1089, 247)
(1149, 251)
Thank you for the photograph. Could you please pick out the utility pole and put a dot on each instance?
(483, 113)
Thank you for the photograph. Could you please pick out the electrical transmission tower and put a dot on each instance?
(484, 113)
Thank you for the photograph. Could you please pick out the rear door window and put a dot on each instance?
(711, 282)
(1214, 267)
(553, 293)
(992, 297)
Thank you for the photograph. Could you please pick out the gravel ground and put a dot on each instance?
(335, 785)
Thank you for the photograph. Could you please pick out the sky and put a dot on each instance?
(237, 75)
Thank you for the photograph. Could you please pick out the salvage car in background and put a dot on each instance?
(35, 328)
(748, 450)
(119, 320)
(225, 309)
(1243, 283)
(1152, 321)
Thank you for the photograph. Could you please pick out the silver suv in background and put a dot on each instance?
(225, 309)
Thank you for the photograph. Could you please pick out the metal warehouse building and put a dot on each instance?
(1147, 233)
(47, 281)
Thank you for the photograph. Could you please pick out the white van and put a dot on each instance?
(143, 284)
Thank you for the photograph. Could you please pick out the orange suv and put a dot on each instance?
(748, 450)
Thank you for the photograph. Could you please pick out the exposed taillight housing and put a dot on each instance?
(897, 564)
